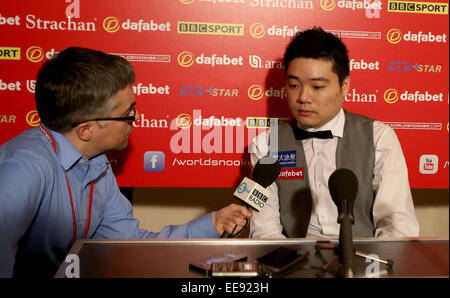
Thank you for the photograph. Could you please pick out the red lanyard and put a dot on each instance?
(91, 191)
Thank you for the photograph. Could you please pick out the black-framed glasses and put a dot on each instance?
(126, 118)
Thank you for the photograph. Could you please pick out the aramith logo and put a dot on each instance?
(256, 62)
(418, 7)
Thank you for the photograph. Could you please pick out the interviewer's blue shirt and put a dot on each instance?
(35, 209)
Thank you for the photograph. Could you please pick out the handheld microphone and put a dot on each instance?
(343, 186)
(252, 192)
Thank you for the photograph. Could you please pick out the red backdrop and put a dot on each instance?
(222, 59)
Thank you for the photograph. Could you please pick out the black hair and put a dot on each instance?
(316, 43)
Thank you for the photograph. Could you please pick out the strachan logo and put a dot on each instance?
(32, 118)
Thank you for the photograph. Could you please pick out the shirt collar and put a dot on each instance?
(336, 125)
(67, 154)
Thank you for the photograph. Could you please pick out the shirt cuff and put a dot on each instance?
(203, 227)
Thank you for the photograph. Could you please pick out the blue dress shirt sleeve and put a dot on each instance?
(118, 222)
(20, 183)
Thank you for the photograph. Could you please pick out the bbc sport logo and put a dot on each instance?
(154, 161)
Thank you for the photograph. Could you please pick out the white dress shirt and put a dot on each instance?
(393, 209)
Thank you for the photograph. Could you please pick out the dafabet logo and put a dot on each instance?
(32, 118)
(395, 36)
(257, 30)
(392, 96)
(328, 5)
(35, 54)
(183, 121)
(112, 24)
(255, 92)
(187, 59)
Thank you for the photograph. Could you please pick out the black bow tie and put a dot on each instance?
(301, 134)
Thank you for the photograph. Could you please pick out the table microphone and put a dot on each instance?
(343, 186)
(252, 192)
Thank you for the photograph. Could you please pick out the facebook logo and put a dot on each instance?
(154, 161)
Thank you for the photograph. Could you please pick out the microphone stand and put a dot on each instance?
(345, 249)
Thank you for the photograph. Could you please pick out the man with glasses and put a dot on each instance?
(56, 184)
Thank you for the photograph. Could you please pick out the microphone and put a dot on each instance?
(343, 186)
(252, 192)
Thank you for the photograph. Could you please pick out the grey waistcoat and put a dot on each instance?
(355, 151)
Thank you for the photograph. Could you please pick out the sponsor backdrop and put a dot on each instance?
(209, 75)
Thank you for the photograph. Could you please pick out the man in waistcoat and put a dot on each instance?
(323, 137)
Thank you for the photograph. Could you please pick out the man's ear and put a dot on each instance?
(345, 86)
(84, 131)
